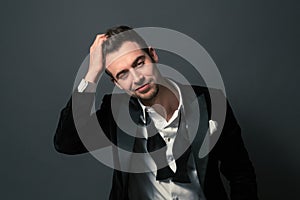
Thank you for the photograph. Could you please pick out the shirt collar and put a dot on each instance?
(144, 108)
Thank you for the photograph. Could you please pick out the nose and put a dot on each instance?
(138, 78)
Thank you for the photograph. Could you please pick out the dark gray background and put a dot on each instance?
(254, 44)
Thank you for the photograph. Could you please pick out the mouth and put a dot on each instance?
(143, 88)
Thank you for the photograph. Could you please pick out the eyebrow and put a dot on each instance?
(134, 64)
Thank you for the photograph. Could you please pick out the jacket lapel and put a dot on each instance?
(197, 117)
(125, 140)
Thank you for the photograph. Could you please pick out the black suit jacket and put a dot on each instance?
(228, 155)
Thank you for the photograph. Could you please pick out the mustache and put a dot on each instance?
(141, 86)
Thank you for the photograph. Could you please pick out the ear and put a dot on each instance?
(153, 54)
(118, 85)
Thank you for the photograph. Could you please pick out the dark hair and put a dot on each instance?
(116, 37)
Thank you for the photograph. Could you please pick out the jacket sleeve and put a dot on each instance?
(79, 130)
(235, 164)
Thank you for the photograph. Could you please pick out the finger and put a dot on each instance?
(98, 41)
(100, 36)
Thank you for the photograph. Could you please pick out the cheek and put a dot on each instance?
(150, 70)
(126, 85)
(153, 72)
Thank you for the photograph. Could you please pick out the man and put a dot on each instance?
(162, 111)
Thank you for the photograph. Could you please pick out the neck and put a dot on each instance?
(166, 100)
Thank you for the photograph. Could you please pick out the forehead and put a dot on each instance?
(127, 50)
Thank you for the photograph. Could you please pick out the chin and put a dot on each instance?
(150, 95)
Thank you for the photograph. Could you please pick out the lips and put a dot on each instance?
(143, 88)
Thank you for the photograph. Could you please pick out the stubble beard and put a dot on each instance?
(149, 96)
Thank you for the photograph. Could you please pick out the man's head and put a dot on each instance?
(130, 62)
(117, 36)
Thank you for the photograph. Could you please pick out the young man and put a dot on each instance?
(162, 110)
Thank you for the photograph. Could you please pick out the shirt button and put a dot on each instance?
(170, 158)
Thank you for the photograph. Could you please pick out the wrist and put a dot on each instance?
(86, 86)
(92, 76)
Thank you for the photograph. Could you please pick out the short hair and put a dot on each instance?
(116, 36)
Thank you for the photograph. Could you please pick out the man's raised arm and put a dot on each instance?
(77, 125)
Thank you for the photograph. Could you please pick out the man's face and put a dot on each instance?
(134, 70)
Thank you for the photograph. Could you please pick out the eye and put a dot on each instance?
(141, 63)
(123, 76)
